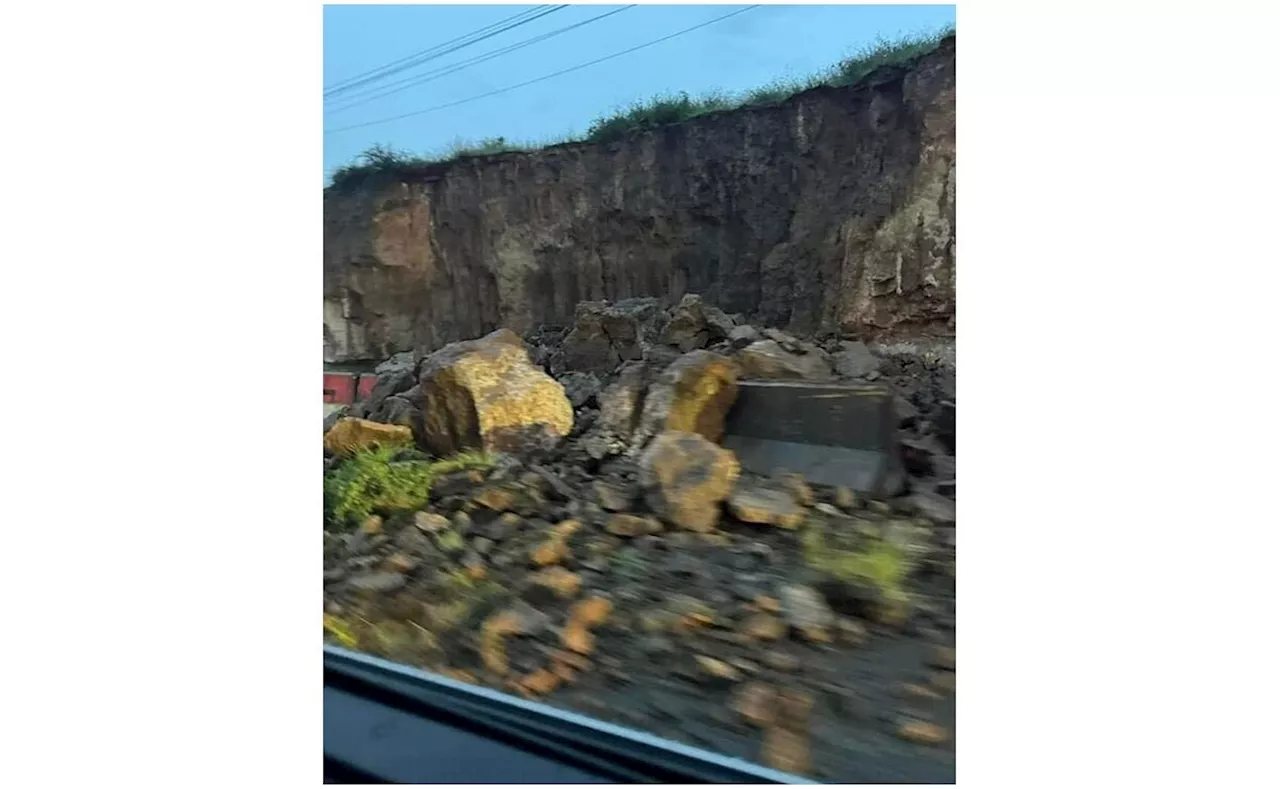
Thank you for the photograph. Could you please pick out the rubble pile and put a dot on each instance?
(586, 540)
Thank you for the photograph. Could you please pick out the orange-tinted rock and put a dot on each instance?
(685, 477)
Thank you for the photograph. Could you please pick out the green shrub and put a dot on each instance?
(377, 482)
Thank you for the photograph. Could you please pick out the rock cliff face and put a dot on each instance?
(834, 210)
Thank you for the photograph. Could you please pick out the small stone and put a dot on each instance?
(742, 336)
(565, 673)
(764, 627)
(482, 545)
(614, 496)
(592, 612)
(913, 690)
(944, 658)
(755, 504)
(461, 522)
(794, 709)
(799, 489)
(778, 660)
(572, 659)
(745, 666)
(697, 620)
(402, 563)
(525, 620)
(499, 499)
(769, 605)
(372, 525)
(943, 681)
(855, 360)
(577, 638)
(351, 434)
(565, 528)
(657, 645)
(717, 669)
(816, 635)
(880, 507)
(552, 551)
(805, 609)
(564, 583)
(449, 542)
(632, 525)
(852, 632)
(755, 702)
(540, 682)
(430, 522)
(845, 498)
(580, 388)
(555, 482)
(922, 732)
(786, 750)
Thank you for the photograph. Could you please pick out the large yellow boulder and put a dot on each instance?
(350, 435)
(486, 394)
(693, 395)
(685, 477)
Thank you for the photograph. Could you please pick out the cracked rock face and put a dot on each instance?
(834, 210)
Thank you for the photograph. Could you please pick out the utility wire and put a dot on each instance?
(349, 82)
(440, 50)
(542, 78)
(444, 71)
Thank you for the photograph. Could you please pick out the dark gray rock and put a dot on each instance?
(803, 607)
(615, 495)
(695, 323)
(742, 336)
(855, 360)
(580, 388)
(604, 334)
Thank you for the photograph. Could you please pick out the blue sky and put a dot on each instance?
(748, 50)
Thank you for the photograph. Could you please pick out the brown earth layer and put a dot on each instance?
(834, 210)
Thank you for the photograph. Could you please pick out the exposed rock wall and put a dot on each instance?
(834, 210)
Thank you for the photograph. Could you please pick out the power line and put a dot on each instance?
(452, 45)
(440, 50)
(344, 84)
(409, 82)
(542, 78)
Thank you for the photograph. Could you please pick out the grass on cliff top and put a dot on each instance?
(382, 161)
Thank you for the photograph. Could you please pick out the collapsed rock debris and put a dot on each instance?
(582, 521)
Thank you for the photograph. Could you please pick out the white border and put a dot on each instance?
(163, 296)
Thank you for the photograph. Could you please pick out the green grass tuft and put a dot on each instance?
(375, 482)
(658, 111)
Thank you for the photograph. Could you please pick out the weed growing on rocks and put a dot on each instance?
(378, 481)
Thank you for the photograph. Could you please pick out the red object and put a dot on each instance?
(339, 388)
(365, 387)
